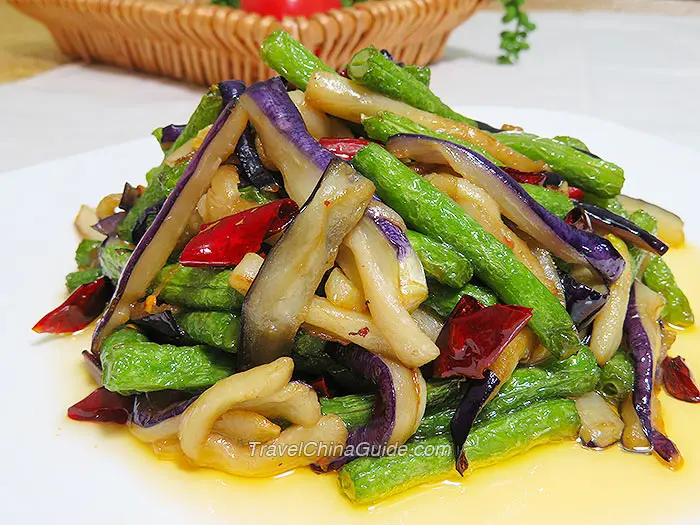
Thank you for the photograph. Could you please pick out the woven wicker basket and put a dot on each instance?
(204, 44)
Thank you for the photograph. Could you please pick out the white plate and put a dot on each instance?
(58, 471)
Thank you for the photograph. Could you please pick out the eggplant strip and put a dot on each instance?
(278, 301)
(607, 325)
(484, 209)
(348, 100)
(378, 268)
(162, 236)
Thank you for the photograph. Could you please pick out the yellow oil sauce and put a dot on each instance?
(558, 482)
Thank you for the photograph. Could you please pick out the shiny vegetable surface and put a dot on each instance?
(679, 381)
(131, 363)
(659, 277)
(216, 329)
(442, 299)
(617, 378)
(367, 480)
(434, 214)
(82, 307)
(226, 242)
(385, 125)
(474, 336)
(553, 233)
(289, 58)
(371, 68)
(583, 171)
(276, 304)
(196, 288)
(441, 262)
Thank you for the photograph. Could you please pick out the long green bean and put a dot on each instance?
(385, 125)
(371, 68)
(617, 377)
(367, 480)
(434, 214)
(441, 262)
(583, 171)
(442, 299)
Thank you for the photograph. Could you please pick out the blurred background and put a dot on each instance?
(633, 62)
(26, 47)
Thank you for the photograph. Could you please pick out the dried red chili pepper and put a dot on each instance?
(575, 193)
(346, 149)
(679, 381)
(321, 387)
(538, 178)
(225, 242)
(103, 406)
(79, 310)
(473, 337)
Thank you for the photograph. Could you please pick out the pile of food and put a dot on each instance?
(337, 270)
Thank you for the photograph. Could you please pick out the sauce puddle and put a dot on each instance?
(554, 482)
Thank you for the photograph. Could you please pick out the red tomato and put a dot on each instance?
(280, 8)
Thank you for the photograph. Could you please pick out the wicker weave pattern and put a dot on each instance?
(204, 44)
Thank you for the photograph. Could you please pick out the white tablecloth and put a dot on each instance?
(640, 70)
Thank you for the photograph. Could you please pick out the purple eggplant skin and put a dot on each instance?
(157, 243)
(145, 220)
(152, 408)
(553, 233)
(394, 235)
(162, 327)
(477, 394)
(640, 349)
(109, 225)
(171, 132)
(274, 307)
(378, 431)
(93, 365)
(624, 228)
(231, 90)
(130, 195)
(582, 302)
(250, 167)
(278, 123)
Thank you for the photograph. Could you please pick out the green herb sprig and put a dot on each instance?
(515, 41)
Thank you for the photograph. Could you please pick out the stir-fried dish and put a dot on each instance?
(336, 270)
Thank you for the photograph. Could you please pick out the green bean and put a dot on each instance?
(309, 354)
(367, 480)
(441, 262)
(607, 203)
(113, 258)
(556, 202)
(77, 278)
(356, 409)
(162, 180)
(583, 171)
(639, 256)
(572, 142)
(196, 288)
(259, 197)
(371, 68)
(573, 376)
(86, 253)
(420, 73)
(442, 299)
(290, 58)
(434, 214)
(385, 124)
(220, 330)
(617, 378)
(659, 277)
(130, 363)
